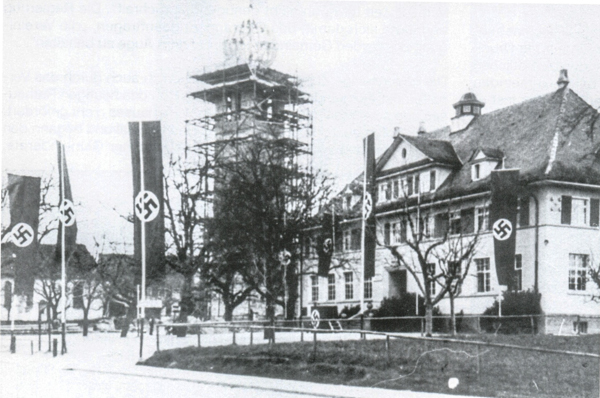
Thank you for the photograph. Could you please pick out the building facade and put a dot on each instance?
(436, 185)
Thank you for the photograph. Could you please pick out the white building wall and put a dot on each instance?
(556, 241)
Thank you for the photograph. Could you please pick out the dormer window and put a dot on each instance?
(476, 172)
(432, 180)
(348, 202)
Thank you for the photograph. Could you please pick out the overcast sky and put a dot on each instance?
(78, 71)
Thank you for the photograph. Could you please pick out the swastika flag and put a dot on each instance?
(325, 244)
(21, 235)
(66, 208)
(148, 205)
(369, 199)
(503, 221)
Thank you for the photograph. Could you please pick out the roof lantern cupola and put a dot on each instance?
(466, 110)
(250, 43)
(468, 105)
(563, 79)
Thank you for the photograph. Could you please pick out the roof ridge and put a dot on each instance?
(554, 143)
(483, 115)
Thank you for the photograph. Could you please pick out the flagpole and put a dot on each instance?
(63, 265)
(143, 226)
(364, 229)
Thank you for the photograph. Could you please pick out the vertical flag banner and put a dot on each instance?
(148, 202)
(369, 199)
(22, 233)
(503, 219)
(66, 208)
(325, 245)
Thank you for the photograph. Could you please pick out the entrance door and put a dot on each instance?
(397, 283)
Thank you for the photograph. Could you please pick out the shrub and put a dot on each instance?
(347, 312)
(513, 303)
(398, 307)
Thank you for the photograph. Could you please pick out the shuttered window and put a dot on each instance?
(594, 212)
(565, 216)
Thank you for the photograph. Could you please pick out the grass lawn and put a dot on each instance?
(413, 365)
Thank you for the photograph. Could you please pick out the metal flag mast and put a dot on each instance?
(63, 265)
(142, 295)
(143, 230)
(364, 230)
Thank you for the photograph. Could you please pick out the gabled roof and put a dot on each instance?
(488, 153)
(437, 150)
(549, 137)
(552, 137)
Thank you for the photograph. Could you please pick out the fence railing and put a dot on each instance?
(270, 332)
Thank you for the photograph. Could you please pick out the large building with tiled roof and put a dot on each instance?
(554, 142)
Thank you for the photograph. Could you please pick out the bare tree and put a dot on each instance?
(263, 201)
(186, 194)
(117, 273)
(452, 245)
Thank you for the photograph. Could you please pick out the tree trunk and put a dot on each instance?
(85, 321)
(270, 310)
(228, 315)
(187, 298)
(452, 315)
(292, 285)
(428, 319)
(129, 317)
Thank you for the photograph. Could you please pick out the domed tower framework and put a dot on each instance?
(250, 101)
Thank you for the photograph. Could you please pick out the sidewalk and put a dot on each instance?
(107, 357)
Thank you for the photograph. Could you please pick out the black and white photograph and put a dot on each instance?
(304, 198)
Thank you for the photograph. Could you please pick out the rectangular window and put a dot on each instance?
(331, 287)
(467, 222)
(518, 272)
(348, 202)
(483, 274)
(578, 268)
(78, 295)
(347, 242)
(441, 225)
(455, 223)
(396, 233)
(482, 218)
(523, 212)
(579, 211)
(409, 186)
(396, 188)
(580, 327)
(386, 234)
(476, 172)
(594, 212)
(348, 285)
(417, 184)
(432, 180)
(455, 271)
(238, 101)
(368, 286)
(565, 210)
(307, 247)
(388, 191)
(430, 278)
(315, 287)
(355, 244)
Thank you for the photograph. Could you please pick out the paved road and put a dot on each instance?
(104, 365)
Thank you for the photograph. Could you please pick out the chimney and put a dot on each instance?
(563, 79)
(396, 132)
(421, 128)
